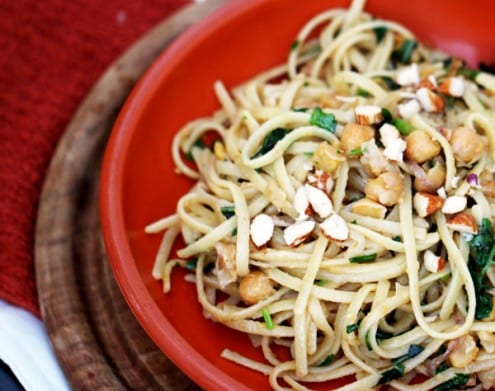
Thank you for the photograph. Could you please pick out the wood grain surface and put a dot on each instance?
(97, 340)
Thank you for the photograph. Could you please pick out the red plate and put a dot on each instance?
(138, 181)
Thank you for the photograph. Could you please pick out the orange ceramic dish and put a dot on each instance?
(139, 184)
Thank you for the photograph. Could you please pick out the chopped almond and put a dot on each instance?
(430, 101)
(453, 86)
(454, 204)
(463, 222)
(335, 227)
(261, 229)
(368, 207)
(433, 263)
(298, 232)
(368, 114)
(319, 201)
(426, 204)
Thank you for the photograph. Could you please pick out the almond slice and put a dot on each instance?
(433, 263)
(463, 222)
(334, 227)
(319, 201)
(301, 204)
(367, 207)
(430, 101)
(453, 86)
(426, 204)
(368, 114)
(454, 204)
(297, 233)
(408, 75)
(261, 229)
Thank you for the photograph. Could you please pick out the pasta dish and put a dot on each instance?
(342, 211)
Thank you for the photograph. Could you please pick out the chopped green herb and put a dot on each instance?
(387, 115)
(310, 154)
(397, 239)
(367, 340)
(228, 211)
(354, 222)
(405, 52)
(352, 327)
(380, 32)
(447, 63)
(271, 139)
(404, 127)
(234, 232)
(323, 120)
(471, 74)
(458, 380)
(362, 92)
(356, 152)
(356, 197)
(380, 335)
(391, 374)
(199, 143)
(446, 277)
(449, 101)
(442, 367)
(390, 83)
(268, 319)
(413, 351)
(300, 109)
(294, 45)
(320, 282)
(482, 253)
(363, 258)
(327, 361)
(191, 264)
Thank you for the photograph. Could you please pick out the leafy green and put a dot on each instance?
(327, 361)
(320, 282)
(398, 368)
(228, 211)
(270, 140)
(482, 253)
(391, 374)
(367, 341)
(294, 45)
(458, 380)
(268, 319)
(471, 74)
(363, 258)
(413, 351)
(191, 264)
(355, 152)
(405, 52)
(362, 92)
(397, 238)
(300, 109)
(380, 32)
(403, 126)
(350, 328)
(387, 115)
(390, 83)
(380, 335)
(323, 120)
(199, 143)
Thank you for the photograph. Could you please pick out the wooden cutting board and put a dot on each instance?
(97, 340)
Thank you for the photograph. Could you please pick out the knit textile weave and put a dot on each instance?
(52, 53)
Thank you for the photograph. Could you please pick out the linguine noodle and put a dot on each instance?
(344, 211)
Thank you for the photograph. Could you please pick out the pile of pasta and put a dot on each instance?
(342, 210)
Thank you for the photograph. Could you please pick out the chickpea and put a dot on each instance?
(387, 189)
(465, 352)
(353, 135)
(467, 144)
(421, 147)
(254, 287)
(327, 157)
(433, 180)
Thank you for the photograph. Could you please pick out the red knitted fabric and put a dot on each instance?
(52, 52)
